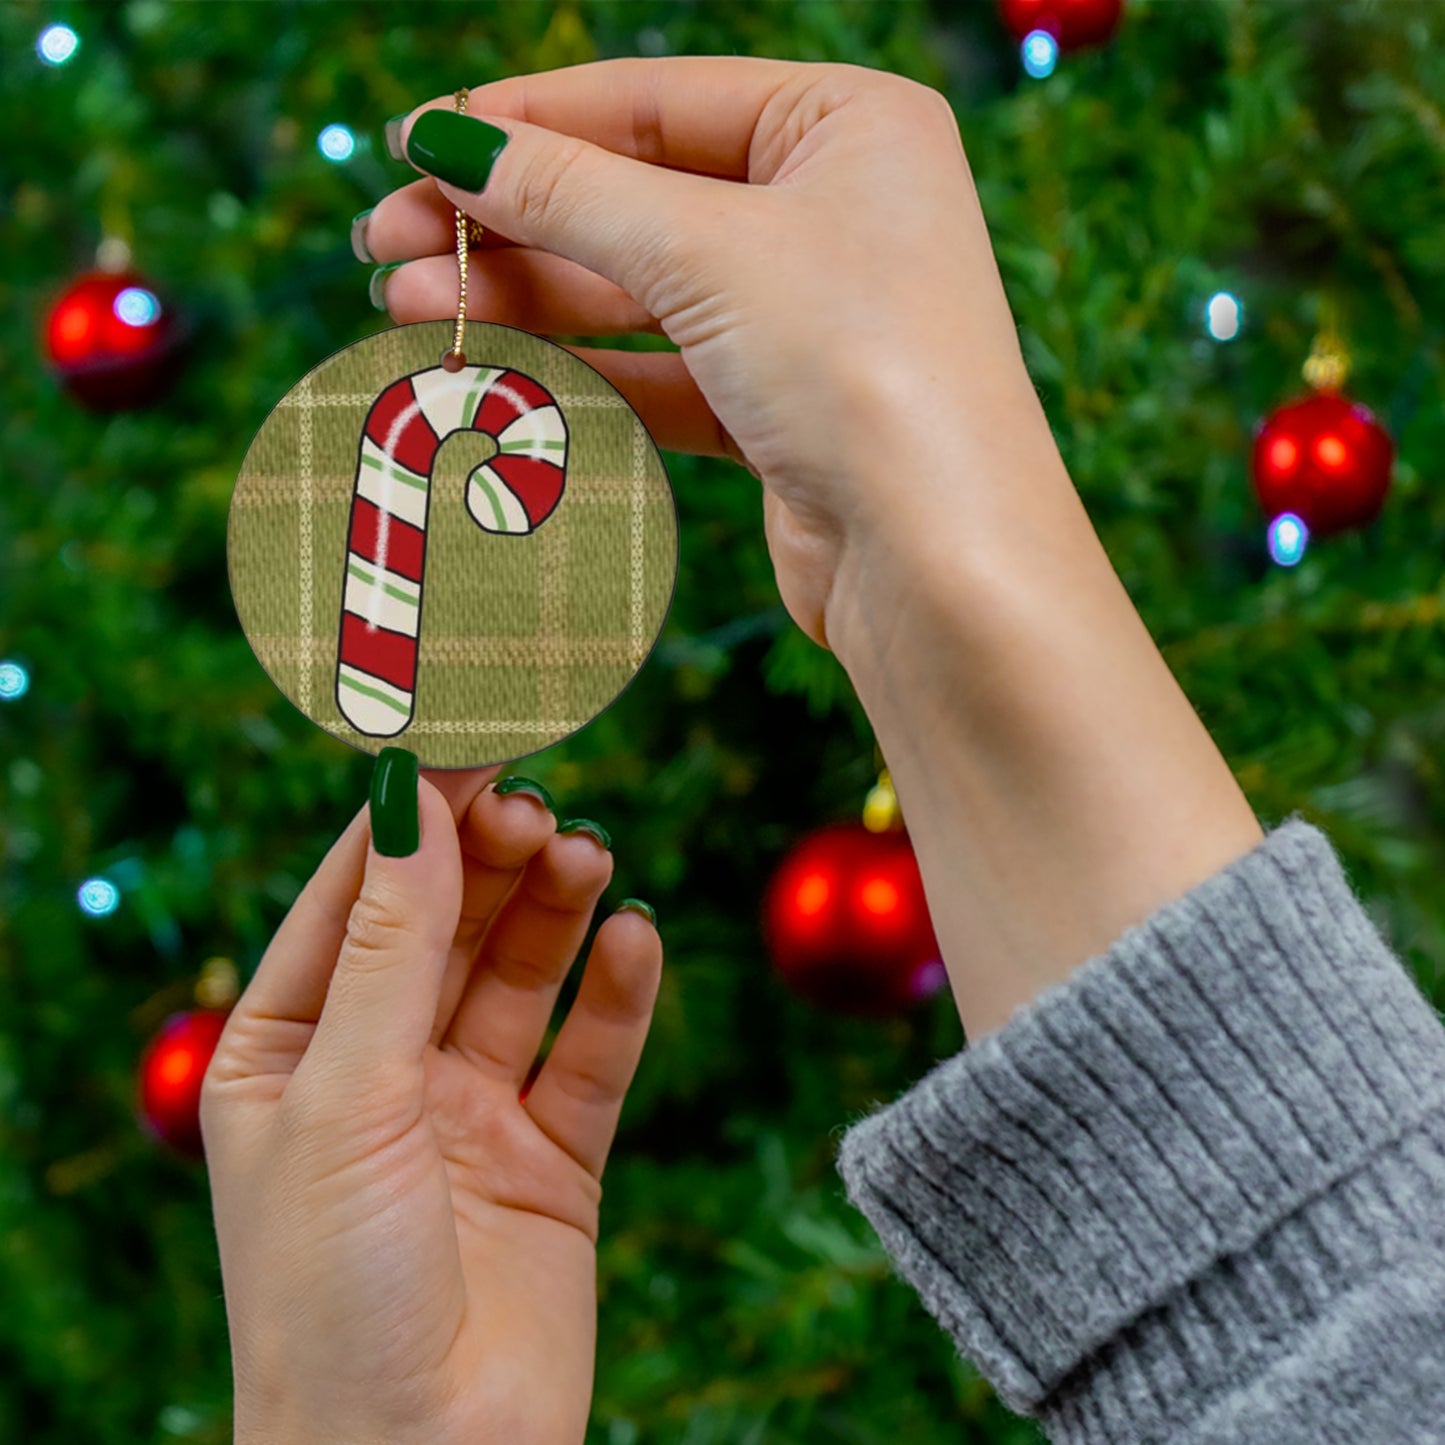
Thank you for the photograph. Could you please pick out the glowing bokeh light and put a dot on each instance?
(1288, 537)
(336, 143)
(1283, 454)
(1223, 316)
(14, 681)
(177, 1066)
(1040, 52)
(1331, 451)
(812, 894)
(98, 897)
(57, 44)
(930, 977)
(73, 325)
(878, 896)
(137, 307)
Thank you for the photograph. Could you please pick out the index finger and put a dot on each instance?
(460, 786)
(695, 113)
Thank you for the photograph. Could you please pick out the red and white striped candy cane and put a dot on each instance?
(515, 492)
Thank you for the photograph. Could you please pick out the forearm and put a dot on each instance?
(1056, 782)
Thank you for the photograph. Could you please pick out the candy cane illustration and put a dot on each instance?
(383, 585)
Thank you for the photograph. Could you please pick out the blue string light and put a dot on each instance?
(336, 143)
(14, 681)
(57, 44)
(1040, 52)
(1288, 538)
(137, 307)
(98, 897)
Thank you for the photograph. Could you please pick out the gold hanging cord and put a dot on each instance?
(469, 233)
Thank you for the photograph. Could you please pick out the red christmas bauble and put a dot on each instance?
(1073, 23)
(1324, 458)
(171, 1071)
(112, 341)
(847, 924)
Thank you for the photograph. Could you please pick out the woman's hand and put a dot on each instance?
(841, 305)
(408, 1247)
(810, 237)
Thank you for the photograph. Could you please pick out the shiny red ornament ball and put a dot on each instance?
(1073, 23)
(847, 924)
(1324, 458)
(112, 340)
(171, 1071)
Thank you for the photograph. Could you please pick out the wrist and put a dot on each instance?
(945, 532)
(1056, 783)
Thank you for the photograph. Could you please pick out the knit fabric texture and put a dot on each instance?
(1194, 1192)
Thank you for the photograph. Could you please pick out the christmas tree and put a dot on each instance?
(1179, 214)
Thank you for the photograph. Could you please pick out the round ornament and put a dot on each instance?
(172, 1070)
(1325, 459)
(847, 923)
(1072, 23)
(112, 341)
(470, 557)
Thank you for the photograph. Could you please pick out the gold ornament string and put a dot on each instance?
(1328, 366)
(469, 233)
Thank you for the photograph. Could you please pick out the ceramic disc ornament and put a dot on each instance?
(469, 563)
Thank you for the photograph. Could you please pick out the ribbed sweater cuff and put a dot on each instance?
(1141, 1166)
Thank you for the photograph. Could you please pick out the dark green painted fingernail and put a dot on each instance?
(376, 288)
(393, 136)
(395, 813)
(534, 789)
(358, 236)
(636, 905)
(586, 825)
(455, 148)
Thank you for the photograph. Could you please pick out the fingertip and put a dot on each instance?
(434, 810)
(395, 137)
(643, 910)
(629, 964)
(506, 829)
(460, 787)
(634, 941)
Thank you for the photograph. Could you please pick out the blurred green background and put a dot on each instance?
(1284, 152)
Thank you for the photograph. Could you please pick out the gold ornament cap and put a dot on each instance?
(881, 812)
(219, 985)
(1328, 365)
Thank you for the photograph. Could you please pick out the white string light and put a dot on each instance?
(57, 44)
(98, 897)
(336, 143)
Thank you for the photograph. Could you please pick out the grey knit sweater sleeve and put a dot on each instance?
(1196, 1192)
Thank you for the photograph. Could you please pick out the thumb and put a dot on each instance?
(628, 221)
(382, 999)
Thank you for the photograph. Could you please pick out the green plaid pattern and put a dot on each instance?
(524, 640)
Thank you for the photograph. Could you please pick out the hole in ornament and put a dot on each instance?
(453, 360)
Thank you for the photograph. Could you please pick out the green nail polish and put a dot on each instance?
(534, 789)
(358, 236)
(636, 905)
(395, 813)
(376, 288)
(586, 825)
(392, 132)
(455, 148)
